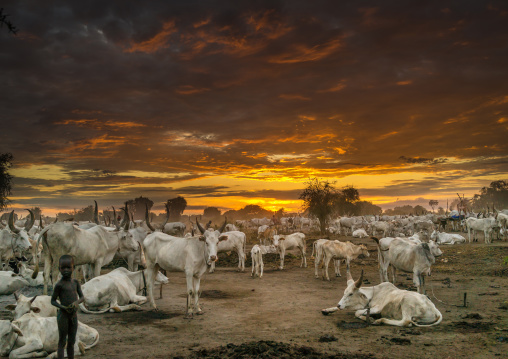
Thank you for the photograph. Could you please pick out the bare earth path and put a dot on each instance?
(284, 306)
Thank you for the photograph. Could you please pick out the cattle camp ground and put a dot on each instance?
(279, 315)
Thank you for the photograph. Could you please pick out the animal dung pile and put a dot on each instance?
(270, 349)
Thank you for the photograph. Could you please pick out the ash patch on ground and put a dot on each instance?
(269, 349)
(352, 325)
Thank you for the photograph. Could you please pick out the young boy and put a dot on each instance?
(67, 290)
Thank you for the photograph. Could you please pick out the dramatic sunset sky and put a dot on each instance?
(229, 103)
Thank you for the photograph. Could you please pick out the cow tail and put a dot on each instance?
(429, 325)
(87, 311)
(379, 258)
(313, 250)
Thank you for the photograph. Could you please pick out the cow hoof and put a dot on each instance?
(115, 309)
(155, 309)
(188, 316)
(324, 312)
(81, 347)
(200, 312)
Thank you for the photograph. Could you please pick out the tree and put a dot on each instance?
(176, 207)
(419, 210)
(5, 179)
(347, 200)
(320, 199)
(433, 203)
(366, 207)
(211, 212)
(3, 20)
(137, 206)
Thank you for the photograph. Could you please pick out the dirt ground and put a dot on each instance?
(280, 316)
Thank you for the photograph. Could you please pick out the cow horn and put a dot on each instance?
(16, 295)
(56, 219)
(359, 282)
(115, 220)
(167, 215)
(201, 229)
(11, 223)
(40, 221)
(30, 224)
(126, 215)
(349, 277)
(32, 300)
(221, 229)
(127, 218)
(147, 219)
(96, 213)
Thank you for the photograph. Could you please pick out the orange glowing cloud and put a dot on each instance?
(404, 83)
(294, 97)
(190, 90)
(100, 124)
(302, 53)
(159, 41)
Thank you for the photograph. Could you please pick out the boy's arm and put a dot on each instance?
(55, 295)
(80, 293)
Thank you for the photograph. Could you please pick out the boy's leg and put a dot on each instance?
(63, 329)
(71, 340)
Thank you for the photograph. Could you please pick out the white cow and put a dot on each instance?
(317, 248)
(256, 254)
(94, 246)
(230, 227)
(447, 238)
(116, 291)
(395, 306)
(189, 255)
(484, 224)
(408, 257)
(265, 234)
(11, 282)
(360, 233)
(14, 239)
(337, 250)
(33, 336)
(381, 226)
(40, 304)
(288, 242)
(176, 229)
(235, 243)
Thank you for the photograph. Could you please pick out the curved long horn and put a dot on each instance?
(147, 219)
(32, 300)
(16, 295)
(221, 229)
(201, 229)
(40, 221)
(359, 282)
(115, 221)
(30, 224)
(56, 219)
(167, 215)
(126, 215)
(96, 213)
(11, 223)
(132, 221)
(127, 218)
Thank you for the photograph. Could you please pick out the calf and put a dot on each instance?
(395, 306)
(408, 257)
(290, 241)
(360, 233)
(256, 254)
(447, 238)
(39, 304)
(236, 242)
(33, 336)
(337, 250)
(317, 247)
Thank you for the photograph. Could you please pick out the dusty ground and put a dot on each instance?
(279, 315)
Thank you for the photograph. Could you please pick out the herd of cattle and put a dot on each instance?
(174, 247)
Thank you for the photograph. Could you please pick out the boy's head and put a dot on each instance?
(66, 264)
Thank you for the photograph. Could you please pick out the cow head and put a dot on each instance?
(127, 240)
(434, 249)
(434, 234)
(8, 334)
(363, 250)
(20, 236)
(353, 298)
(23, 305)
(161, 278)
(211, 238)
(277, 238)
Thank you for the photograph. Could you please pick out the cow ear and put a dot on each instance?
(10, 307)
(202, 238)
(223, 238)
(35, 309)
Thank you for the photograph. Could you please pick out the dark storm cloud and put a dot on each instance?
(228, 87)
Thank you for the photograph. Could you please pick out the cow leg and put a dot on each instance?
(190, 295)
(326, 262)
(304, 256)
(212, 267)
(404, 322)
(197, 308)
(282, 255)
(31, 349)
(47, 272)
(417, 280)
(253, 265)
(261, 265)
(151, 273)
(362, 313)
(317, 260)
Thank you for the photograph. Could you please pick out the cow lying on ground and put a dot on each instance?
(394, 306)
(235, 243)
(11, 282)
(337, 250)
(40, 305)
(447, 238)
(115, 291)
(408, 257)
(33, 336)
(256, 254)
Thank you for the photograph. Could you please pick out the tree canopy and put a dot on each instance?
(320, 200)
(5, 179)
(176, 207)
